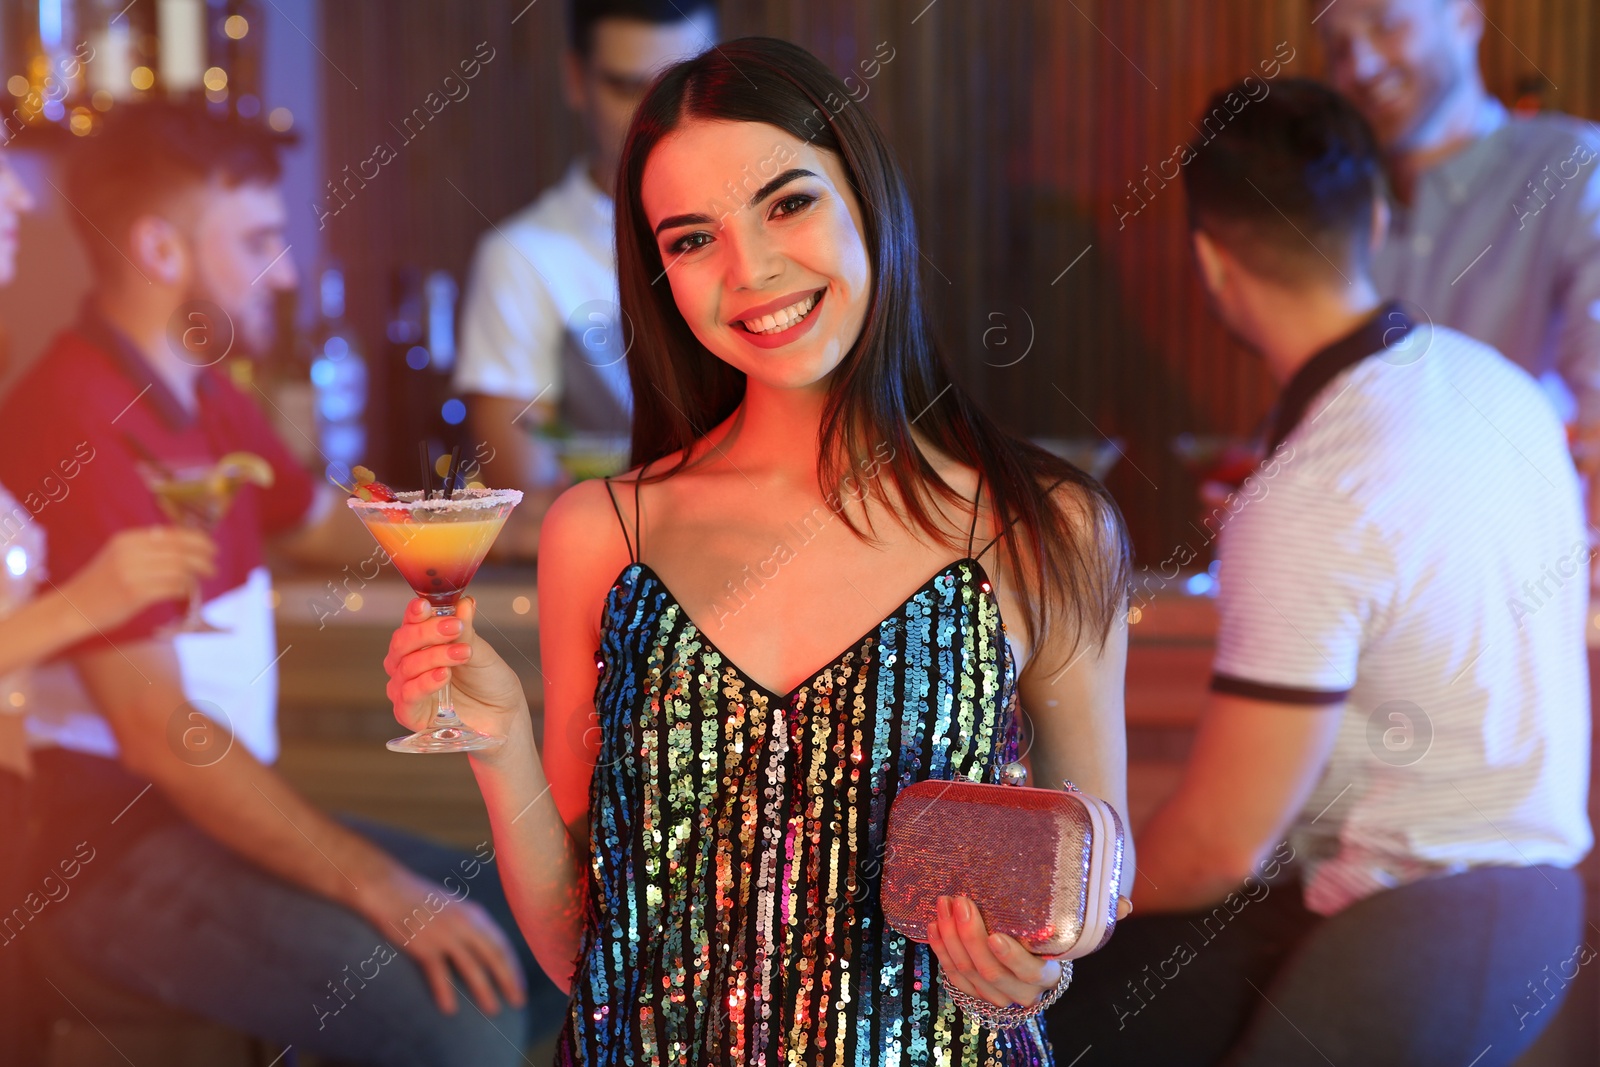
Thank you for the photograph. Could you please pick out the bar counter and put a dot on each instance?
(334, 716)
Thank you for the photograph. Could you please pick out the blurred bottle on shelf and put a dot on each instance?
(440, 293)
(182, 26)
(47, 59)
(406, 412)
(67, 62)
(120, 44)
(235, 47)
(421, 353)
(439, 290)
(285, 379)
(339, 383)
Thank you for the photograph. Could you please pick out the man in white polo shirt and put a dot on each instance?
(1369, 857)
(541, 343)
(1497, 226)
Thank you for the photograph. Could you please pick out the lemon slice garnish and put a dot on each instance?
(245, 468)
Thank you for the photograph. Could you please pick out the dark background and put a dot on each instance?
(1020, 125)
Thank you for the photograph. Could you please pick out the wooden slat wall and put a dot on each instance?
(1019, 124)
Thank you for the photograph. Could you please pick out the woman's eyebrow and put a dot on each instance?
(779, 182)
(673, 221)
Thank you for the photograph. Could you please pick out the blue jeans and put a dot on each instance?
(182, 920)
(1448, 971)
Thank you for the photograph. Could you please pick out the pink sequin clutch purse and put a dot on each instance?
(1043, 865)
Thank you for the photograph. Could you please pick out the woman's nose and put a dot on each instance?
(753, 263)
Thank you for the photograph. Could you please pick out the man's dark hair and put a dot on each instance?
(148, 154)
(1288, 180)
(583, 15)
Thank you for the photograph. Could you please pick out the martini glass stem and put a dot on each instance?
(193, 617)
(193, 621)
(446, 724)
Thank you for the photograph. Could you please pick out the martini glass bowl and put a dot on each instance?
(437, 545)
(198, 496)
(1216, 457)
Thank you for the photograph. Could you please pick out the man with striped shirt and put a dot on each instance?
(1369, 857)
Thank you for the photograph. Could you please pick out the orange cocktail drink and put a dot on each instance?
(437, 544)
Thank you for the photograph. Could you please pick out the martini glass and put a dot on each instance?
(437, 545)
(1217, 458)
(1095, 456)
(198, 496)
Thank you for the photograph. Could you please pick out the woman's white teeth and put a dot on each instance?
(782, 320)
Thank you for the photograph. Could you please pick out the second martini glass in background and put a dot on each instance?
(198, 496)
(437, 544)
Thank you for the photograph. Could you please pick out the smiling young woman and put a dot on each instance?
(706, 878)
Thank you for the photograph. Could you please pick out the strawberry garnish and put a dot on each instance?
(367, 486)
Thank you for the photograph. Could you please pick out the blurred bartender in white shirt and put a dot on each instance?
(540, 345)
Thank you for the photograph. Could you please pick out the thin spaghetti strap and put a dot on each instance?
(1007, 528)
(638, 530)
(620, 521)
(977, 499)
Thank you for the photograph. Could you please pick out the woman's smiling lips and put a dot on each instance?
(775, 338)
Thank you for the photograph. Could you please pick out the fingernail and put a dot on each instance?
(997, 943)
(966, 910)
(459, 651)
(450, 627)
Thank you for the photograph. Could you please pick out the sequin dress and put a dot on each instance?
(737, 838)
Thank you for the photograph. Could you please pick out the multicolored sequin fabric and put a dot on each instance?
(737, 833)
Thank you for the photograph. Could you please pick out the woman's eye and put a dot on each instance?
(791, 204)
(689, 242)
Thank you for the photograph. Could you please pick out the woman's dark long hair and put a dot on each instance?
(893, 373)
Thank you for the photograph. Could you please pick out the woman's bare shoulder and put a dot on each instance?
(585, 509)
(583, 533)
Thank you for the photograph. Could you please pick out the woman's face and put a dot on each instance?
(762, 242)
(14, 200)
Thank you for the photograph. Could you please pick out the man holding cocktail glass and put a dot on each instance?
(215, 887)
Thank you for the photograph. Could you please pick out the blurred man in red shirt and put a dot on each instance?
(215, 887)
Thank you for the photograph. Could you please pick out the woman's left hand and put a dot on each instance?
(995, 967)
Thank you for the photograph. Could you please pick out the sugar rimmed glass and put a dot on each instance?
(437, 545)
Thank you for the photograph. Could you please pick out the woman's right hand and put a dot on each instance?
(139, 567)
(428, 650)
